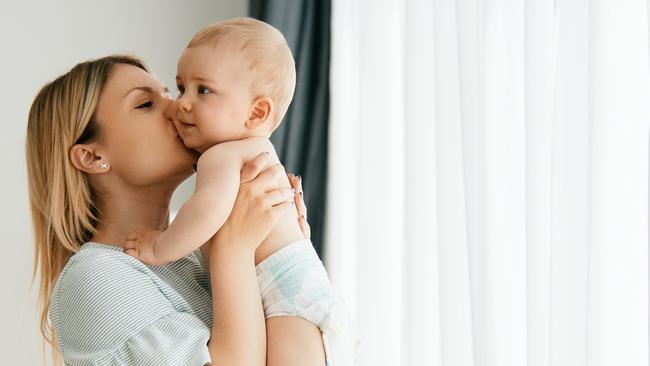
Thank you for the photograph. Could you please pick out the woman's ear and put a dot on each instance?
(85, 158)
(261, 112)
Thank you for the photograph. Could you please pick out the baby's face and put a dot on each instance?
(215, 97)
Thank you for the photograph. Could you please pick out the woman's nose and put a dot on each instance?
(170, 110)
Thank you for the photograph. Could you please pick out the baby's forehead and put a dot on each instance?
(230, 56)
(211, 55)
(216, 65)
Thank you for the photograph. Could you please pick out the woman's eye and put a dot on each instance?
(145, 105)
(203, 90)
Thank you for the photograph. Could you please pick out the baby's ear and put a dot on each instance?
(261, 112)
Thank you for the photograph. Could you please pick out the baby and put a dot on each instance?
(236, 79)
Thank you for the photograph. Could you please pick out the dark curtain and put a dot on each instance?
(301, 139)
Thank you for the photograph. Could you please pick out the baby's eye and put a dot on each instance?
(148, 104)
(181, 89)
(203, 90)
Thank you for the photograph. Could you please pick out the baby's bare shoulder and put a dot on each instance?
(240, 150)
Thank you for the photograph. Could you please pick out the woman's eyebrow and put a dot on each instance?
(147, 89)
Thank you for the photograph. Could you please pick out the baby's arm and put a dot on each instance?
(217, 183)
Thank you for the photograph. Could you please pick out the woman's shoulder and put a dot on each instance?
(100, 278)
(103, 262)
(101, 266)
(95, 264)
(106, 304)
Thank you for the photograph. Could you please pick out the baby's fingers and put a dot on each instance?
(131, 251)
(134, 234)
(130, 244)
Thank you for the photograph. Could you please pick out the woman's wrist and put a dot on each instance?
(238, 335)
(226, 242)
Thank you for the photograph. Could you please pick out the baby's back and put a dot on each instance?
(287, 231)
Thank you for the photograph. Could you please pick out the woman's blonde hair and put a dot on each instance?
(63, 206)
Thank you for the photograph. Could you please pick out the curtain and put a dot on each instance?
(301, 139)
(488, 180)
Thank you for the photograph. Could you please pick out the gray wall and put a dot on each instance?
(39, 41)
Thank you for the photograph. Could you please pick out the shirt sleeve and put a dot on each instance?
(110, 312)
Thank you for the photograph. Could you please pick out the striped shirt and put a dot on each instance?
(108, 308)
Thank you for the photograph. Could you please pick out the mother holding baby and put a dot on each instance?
(103, 159)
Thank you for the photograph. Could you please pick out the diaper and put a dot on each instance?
(293, 282)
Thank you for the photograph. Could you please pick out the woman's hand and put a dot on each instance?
(299, 199)
(261, 202)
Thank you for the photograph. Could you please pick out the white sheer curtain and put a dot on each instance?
(488, 193)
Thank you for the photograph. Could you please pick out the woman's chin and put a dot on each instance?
(191, 155)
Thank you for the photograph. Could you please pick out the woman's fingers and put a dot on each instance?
(296, 183)
(282, 209)
(252, 169)
(299, 200)
(279, 196)
(269, 179)
(304, 226)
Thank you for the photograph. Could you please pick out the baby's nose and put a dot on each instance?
(184, 105)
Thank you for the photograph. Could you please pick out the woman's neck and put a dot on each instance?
(122, 213)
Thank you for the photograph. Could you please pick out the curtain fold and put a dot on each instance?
(488, 180)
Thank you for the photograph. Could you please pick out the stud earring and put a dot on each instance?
(103, 165)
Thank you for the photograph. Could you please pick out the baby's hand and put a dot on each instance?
(141, 244)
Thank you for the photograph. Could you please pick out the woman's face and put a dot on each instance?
(136, 132)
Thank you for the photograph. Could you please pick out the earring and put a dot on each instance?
(103, 165)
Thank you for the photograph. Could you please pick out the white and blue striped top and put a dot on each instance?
(108, 308)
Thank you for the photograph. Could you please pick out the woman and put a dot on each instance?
(103, 159)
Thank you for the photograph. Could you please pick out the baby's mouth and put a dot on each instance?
(184, 125)
(182, 128)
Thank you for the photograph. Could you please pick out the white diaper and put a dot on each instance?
(293, 282)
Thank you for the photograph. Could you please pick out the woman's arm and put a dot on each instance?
(238, 334)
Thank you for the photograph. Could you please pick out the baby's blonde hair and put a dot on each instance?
(268, 55)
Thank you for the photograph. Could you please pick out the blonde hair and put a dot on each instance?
(265, 50)
(63, 207)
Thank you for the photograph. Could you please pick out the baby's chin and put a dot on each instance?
(199, 147)
(190, 143)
